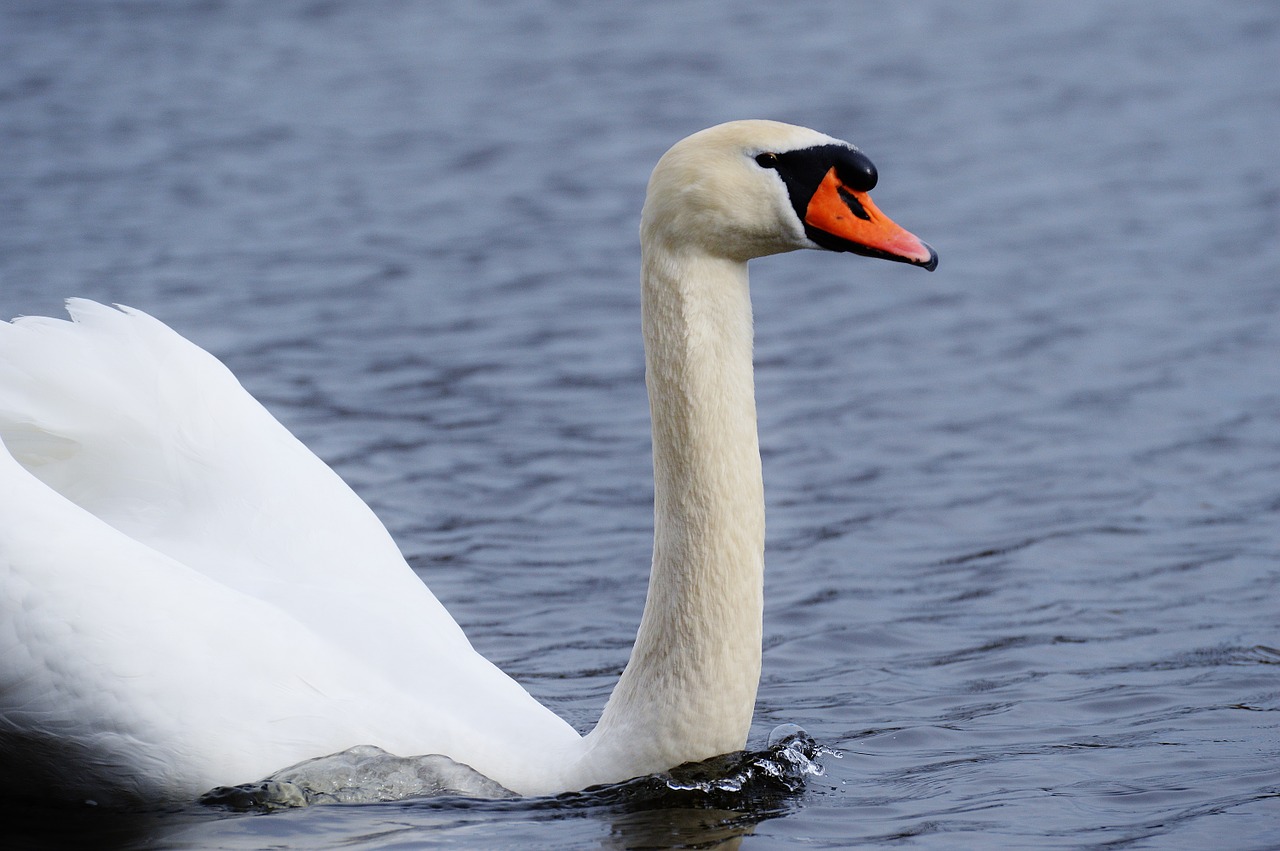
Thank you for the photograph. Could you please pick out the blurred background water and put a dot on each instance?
(1024, 513)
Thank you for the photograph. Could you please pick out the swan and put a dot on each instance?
(192, 599)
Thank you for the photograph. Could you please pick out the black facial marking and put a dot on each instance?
(804, 169)
(854, 205)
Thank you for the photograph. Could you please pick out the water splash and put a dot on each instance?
(767, 780)
(361, 775)
(367, 774)
(791, 756)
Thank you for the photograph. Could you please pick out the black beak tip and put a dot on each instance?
(933, 259)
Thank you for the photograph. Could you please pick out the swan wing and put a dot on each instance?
(153, 435)
(125, 675)
(150, 460)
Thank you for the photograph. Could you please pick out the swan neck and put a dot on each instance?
(688, 691)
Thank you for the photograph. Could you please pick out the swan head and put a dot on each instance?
(748, 189)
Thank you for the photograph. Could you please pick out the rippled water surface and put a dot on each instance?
(1024, 541)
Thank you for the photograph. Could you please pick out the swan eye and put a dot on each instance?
(767, 160)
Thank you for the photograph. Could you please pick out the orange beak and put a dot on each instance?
(852, 218)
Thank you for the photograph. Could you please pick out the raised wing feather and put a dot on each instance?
(169, 500)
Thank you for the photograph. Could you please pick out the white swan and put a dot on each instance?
(191, 598)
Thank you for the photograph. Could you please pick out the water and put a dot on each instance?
(1024, 549)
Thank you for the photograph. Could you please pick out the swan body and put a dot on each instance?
(191, 598)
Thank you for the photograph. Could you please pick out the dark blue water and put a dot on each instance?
(1024, 540)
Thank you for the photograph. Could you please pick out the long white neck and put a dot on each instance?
(689, 690)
